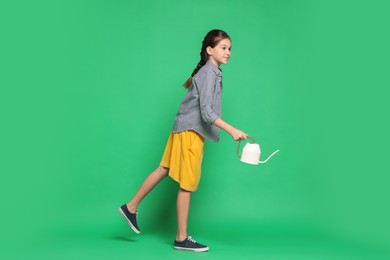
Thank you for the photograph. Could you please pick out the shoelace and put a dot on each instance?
(190, 239)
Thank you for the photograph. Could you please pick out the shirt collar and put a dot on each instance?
(214, 68)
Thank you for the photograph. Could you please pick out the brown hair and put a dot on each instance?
(211, 39)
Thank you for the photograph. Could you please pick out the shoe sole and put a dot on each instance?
(191, 249)
(129, 222)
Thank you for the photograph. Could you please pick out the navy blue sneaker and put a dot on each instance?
(190, 245)
(131, 218)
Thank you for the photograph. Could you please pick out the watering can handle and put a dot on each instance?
(239, 142)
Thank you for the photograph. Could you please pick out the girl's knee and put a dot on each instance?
(184, 190)
(163, 170)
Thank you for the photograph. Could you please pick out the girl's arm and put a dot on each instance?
(235, 133)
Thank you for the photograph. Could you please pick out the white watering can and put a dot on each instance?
(251, 153)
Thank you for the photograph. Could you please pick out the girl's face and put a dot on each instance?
(220, 54)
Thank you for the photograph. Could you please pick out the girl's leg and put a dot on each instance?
(183, 207)
(150, 182)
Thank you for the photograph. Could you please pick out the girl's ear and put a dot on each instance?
(209, 50)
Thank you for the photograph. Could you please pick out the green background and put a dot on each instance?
(89, 91)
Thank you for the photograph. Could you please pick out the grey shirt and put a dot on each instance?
(201, 105)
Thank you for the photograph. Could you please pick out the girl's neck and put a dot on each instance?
(214, 62)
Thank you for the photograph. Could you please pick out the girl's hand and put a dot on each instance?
(238, 134)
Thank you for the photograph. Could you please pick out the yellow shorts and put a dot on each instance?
(183, 156)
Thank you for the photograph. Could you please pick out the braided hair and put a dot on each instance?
(211, 39)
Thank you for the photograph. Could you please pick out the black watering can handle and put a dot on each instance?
(239, 142)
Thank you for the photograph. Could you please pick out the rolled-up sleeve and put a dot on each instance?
(206, 88)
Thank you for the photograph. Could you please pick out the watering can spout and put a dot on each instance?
(269, 157)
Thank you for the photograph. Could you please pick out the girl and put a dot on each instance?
(198, 118)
